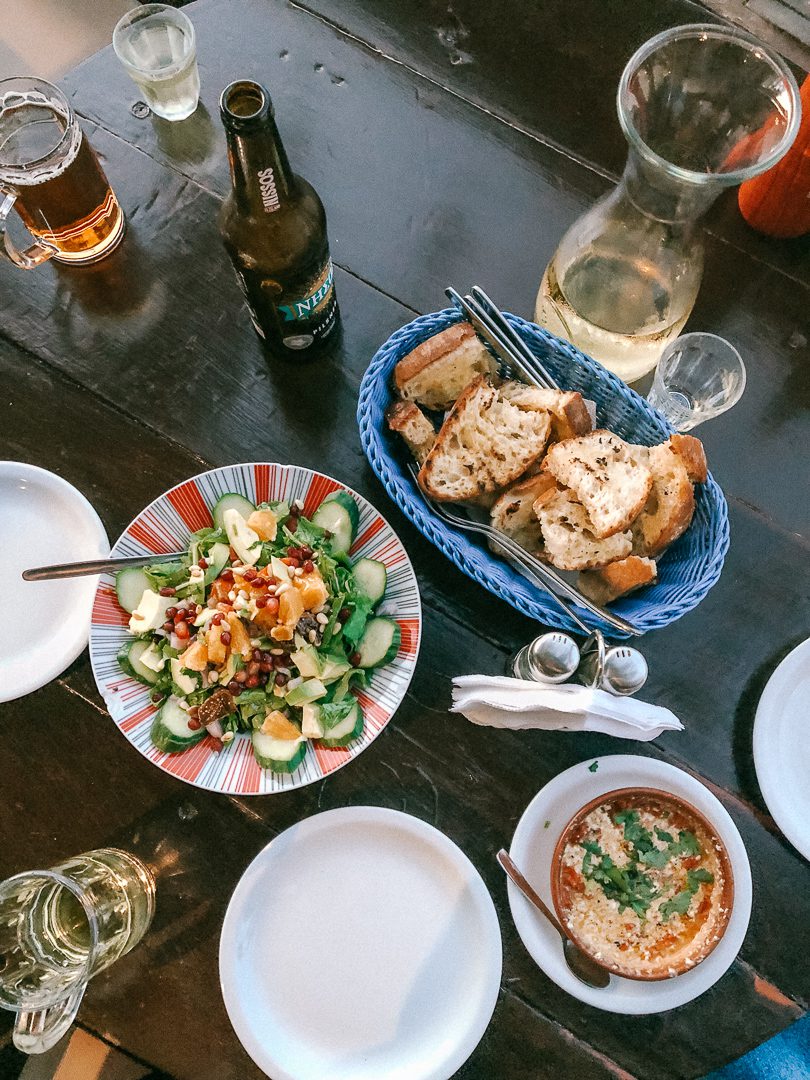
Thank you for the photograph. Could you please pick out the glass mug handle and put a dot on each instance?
(32, 256)
(38, 1030)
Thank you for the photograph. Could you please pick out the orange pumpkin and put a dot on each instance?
(777, 203)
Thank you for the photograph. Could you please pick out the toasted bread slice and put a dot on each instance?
(609, 477)
(435, 372)
(410, 422)
(690, 451)
(484, 444)
(617, 579)
(514, 515)
(670, 504)
(568, 539)
(569, 413)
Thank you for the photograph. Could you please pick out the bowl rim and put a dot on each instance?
(726, 898)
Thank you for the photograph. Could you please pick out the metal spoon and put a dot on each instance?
(579, 963)
(96, 566)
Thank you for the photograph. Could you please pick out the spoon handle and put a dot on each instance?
(515, 875)
(95, 566)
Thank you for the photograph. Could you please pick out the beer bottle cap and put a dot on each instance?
(245, 105)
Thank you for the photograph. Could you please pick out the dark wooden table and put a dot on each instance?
(449, 144)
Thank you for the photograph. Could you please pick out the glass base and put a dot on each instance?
(100, 251)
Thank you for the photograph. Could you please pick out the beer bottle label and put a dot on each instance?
(297, 316)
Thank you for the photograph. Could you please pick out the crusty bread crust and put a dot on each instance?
(416, 430)
(513, 513)
(690, 451)
(569, 413)
(617, 579)
(429, 351)
(484, 444)
(568, 539)
(609, 477)
(670, 505)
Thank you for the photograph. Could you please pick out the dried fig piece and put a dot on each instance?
(219, 705)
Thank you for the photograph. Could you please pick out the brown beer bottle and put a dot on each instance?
(273, 226)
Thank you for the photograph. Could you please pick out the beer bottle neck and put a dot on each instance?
(260, 172)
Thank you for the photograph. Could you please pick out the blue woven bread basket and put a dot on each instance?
(686, 571)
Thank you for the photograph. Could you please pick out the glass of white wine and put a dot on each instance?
(59, 928)
(157, 46)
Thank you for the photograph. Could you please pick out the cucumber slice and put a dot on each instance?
(370, 579)
(379, 643)
(346, 730)
(170, 730)
(231, 501)
(130, 585)
(339, 514)
(129, 660)
(279, 755)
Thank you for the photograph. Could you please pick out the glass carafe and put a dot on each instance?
(702, 107)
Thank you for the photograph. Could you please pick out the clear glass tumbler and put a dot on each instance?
(157, 46)
(59, 928)
(698, 376)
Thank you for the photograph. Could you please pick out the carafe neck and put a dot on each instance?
(657, 193)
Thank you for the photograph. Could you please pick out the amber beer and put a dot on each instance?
(273, 226)
(53, 178)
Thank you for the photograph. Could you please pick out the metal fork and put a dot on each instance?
(537, 572)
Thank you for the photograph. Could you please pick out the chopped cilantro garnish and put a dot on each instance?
(593, 766)
(546, 824)
(678, 905)
(698, 877)
(686, 844)
(667, 837)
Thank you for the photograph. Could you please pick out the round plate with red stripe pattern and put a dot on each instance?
(165, 526)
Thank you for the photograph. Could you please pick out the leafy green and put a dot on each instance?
(167, 574)
(306, 534)
(332, 712)
(353, 677)
(361, 608)
(627, 885)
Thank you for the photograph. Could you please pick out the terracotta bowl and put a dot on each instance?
(636, 798)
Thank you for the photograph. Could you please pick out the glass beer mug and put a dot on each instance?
(50, 175)
(59, 928)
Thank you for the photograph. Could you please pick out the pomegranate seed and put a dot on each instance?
(216, 745)
(267, 658)
(279, 661)
(240, 676)
(227, 575)
(355, 659)
(194, 725)
(181, 629)
(307, 552)
(261, 601)
(168, 627)
(203, 564)
(252, 682)
(167, 590)
(252, 668)
(257, 654)
(272, 604)
(266, 667)
(309, 566)
(233, 555)
(292, 524)
(194, 712)
(233, 686)
(171, 612)
(225, 637)
(282, 680)
(179, 614)
(343, 614)
(156, 697)
(249, 574)
(217, 619)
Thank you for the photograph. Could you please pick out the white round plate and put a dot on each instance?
(533, 845)
(165, 525)
(44, 520)
(782, 747)
(361, 943)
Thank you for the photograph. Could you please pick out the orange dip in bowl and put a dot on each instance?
(642, 883)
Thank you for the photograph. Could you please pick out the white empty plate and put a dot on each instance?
(533, 845)
(361, 943)
(782, 747)
(43, 520)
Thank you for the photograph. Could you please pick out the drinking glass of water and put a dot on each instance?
(157, 46)
(698, 376)
(59, 928)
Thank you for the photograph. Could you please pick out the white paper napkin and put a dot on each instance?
(497, 701)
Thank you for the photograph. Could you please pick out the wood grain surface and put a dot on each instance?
(450, 145)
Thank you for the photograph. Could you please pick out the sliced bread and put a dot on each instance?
(569, 412)
(484, 444)
(435, 372)
(609, 477)
(416, 430)
(568, 539)
(690, 451)
(513, 513)
(669, 506)
(617, 579)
